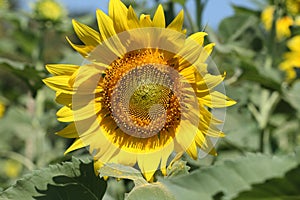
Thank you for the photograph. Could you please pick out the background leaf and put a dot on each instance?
(286, 188)
(150, 192)
(228, 179)
(70, 180)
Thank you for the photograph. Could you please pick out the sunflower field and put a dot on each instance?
(144, 100)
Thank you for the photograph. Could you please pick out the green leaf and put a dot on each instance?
(286, 188)
(245, 10)
(179, 167)
(122, 171)
(266, 78)
(229, 178)
(28, 73)
(241, 23)
(293, 95)
(150, 192)
(69, 180)
(143, 189)
(242, 130)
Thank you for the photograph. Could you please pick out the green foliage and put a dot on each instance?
(229, 178)
(178, 168)
(293, 95)
(149, 192)
(124, 172)
(285, 188)
(142, 188)
(75, 180)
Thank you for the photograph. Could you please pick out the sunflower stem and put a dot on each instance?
(194, 28)
(199, 12)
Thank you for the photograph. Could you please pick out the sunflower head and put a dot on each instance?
(291, 62)
(283, 27)
(267, 17)
(144, 92)
(12, 169)
(49, 10)
(282, 24)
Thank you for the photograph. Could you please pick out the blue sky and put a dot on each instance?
(214, 12)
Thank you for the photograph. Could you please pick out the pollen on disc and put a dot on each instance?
(143, 102)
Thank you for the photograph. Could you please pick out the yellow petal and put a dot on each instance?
(294, 43)
(105, 24)
(85, 81)
(84, 50)
(191, 53)
(188, 74)
(97, 165)
(185, 135)
(65, 114)
(159, 17)
(165, 154)
(200, 139)
(205, 53)
(87, 111)
(132, 19)
(86, 34)
(105, 153)
(118, 13)
(177, 23)
(216, 99)
(69, 131)
(107, 31)
(125, 158)
(63, 98)
(76, 145)
(59, 83)
(148, 163)
(208, 82)
(209, 129)
(192, 151)
(209, 147)
(61, 69)
(198, 37)
(145, 21)
(283, 27)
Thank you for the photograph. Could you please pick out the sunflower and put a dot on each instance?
(283, 27)
(49, 10)
(291, 63)
(267, 17)
(143, 92)
(282, 24)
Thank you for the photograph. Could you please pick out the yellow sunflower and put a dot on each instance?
(143, 92)
(282, 24)
(267, 17)
(283, 27)
(291, 63)
(49, 10)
